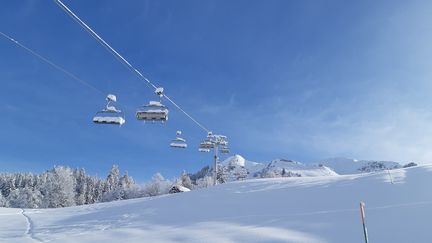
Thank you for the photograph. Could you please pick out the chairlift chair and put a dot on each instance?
(110, 115)
(153, 111)
(178, 142)
(225, 150)
(206, 145)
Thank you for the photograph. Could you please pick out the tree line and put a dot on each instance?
(63, 187)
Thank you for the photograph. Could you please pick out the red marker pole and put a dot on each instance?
(362, 205)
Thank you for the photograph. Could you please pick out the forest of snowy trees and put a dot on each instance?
(63, 187)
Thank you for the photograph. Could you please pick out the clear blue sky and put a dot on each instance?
(302, 80)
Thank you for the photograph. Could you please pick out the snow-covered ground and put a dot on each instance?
(295, 209)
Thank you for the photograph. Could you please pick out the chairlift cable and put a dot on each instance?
(59, 68)
(51, 63)
(120, 58)
(102, 41)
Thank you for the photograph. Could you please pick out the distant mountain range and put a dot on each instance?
(238, 168)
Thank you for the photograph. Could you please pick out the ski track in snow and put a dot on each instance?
(30, 227)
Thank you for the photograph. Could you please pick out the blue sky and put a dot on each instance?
(303, 80)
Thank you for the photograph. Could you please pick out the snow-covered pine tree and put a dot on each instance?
(126, 182)
(7, 183)
(80, 186)
(113, 178)
(185, 180)
(98, 189)
(221, 174)
(24, 198)
(200, 174)
(157, 186)
(2, 201)
(204, 182)
(59, 188)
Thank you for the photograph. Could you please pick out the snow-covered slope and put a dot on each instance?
(297, 209)
(289, 168)
(345, 166)
(236, 167)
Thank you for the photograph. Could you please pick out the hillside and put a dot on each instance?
(238, 168)
(345, 166)
(295, 209)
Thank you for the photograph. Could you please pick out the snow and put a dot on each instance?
(163, 111)
(112, 97)
(236, 160)
(297, 168)
(237, 165)
(297, 209)
(345, 166)
(178, 145)
(112, 109)
(107, 119)
(155, 103)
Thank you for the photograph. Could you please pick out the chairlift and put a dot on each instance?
(206, 145)
(225, 150)
(109, 115)
(178, 142)
(204, 150)
(154, 110)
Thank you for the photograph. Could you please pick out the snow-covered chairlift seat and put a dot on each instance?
(110, 115)
(154, 111)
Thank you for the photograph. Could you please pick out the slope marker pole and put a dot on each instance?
(362, 205)
(391, 178)
(215, 171)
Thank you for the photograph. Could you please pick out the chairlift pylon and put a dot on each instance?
(213, 141)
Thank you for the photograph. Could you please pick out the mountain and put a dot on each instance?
(290, 168)
(345, 166)
(298, 209)
(238, 168)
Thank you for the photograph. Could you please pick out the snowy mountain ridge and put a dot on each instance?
(238, 168)
(345, 166)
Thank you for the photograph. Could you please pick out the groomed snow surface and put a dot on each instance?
(296, 209)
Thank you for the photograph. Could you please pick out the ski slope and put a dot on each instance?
(296, 209)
